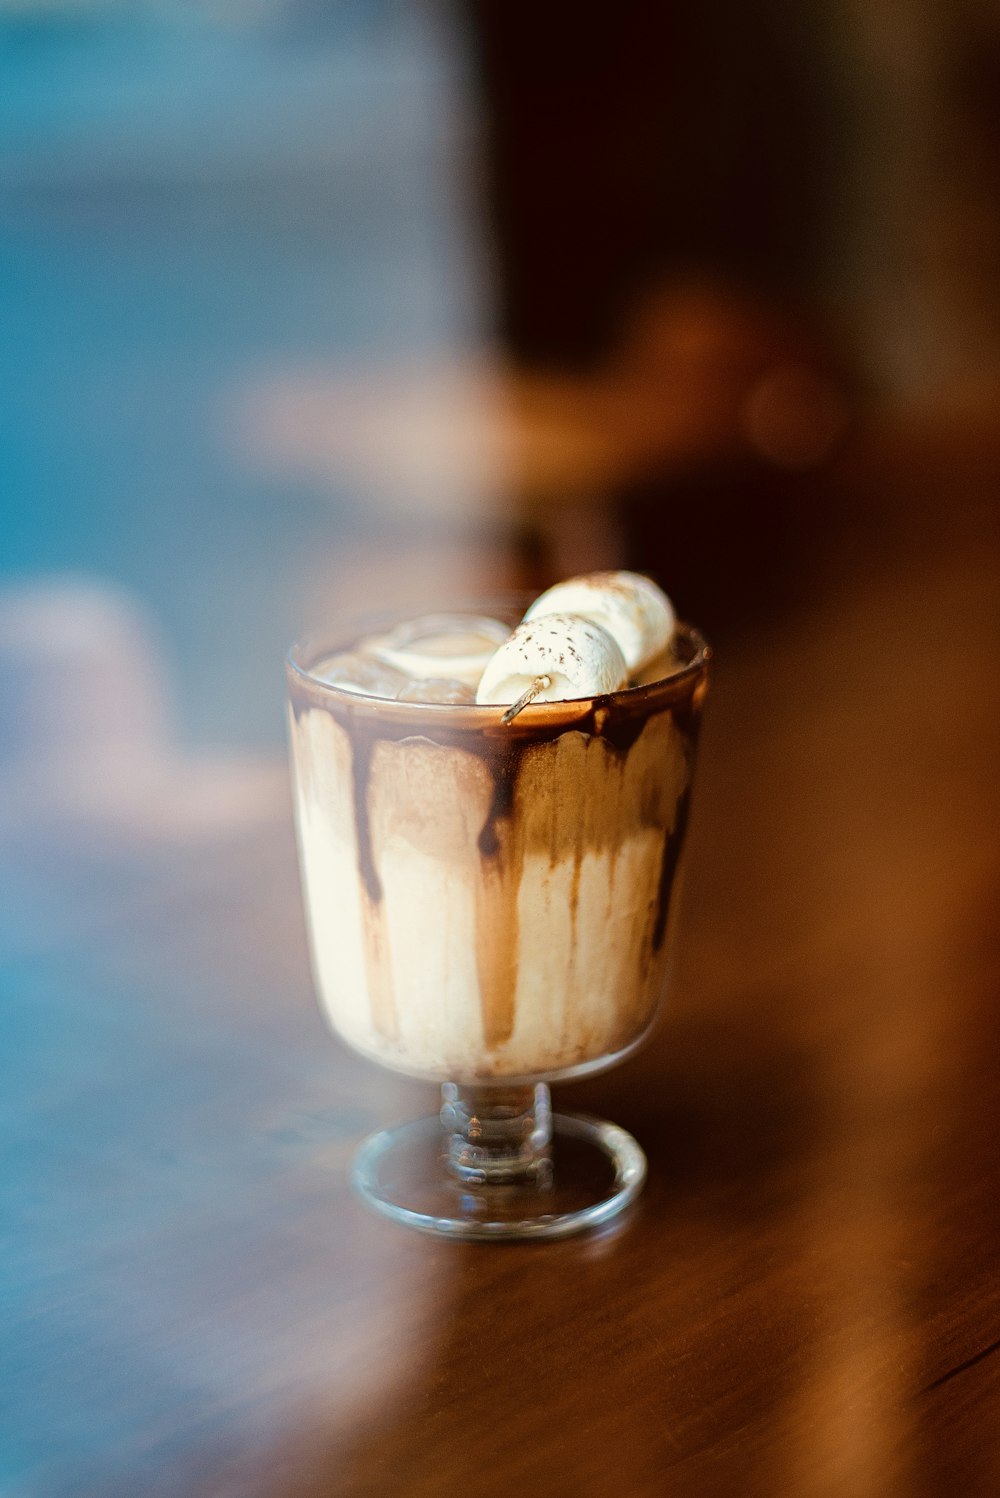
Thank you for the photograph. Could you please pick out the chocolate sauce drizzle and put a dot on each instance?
(617, 721)
(362, 748)
(672, 844)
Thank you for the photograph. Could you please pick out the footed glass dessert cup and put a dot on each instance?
(487, 906)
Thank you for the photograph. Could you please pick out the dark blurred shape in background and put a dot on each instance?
(796, 216)
(841, 162)
(655, 142)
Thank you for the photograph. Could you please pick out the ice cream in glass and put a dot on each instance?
(491, 805)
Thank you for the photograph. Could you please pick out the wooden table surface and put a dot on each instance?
(805, 1300)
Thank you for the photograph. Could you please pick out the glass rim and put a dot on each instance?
(316, 643)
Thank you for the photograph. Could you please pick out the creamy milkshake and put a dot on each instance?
(487, 901)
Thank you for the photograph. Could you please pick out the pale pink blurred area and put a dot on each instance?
(479, 442)
(87, 746)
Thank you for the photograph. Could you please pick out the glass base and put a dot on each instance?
(587, 1174)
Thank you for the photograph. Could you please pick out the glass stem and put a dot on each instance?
(497, 1135)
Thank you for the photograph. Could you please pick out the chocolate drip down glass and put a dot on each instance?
(487, 907)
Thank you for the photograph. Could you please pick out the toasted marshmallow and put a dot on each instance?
(436, 646)
(631, 608)
(575, 656)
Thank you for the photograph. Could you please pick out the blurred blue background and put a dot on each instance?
(194, 197)
(197, 201)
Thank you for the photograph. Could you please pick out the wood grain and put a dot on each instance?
(804, 1302)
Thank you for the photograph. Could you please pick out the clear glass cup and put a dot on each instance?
(487, 906)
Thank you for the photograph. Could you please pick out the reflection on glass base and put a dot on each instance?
(588, 1174)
